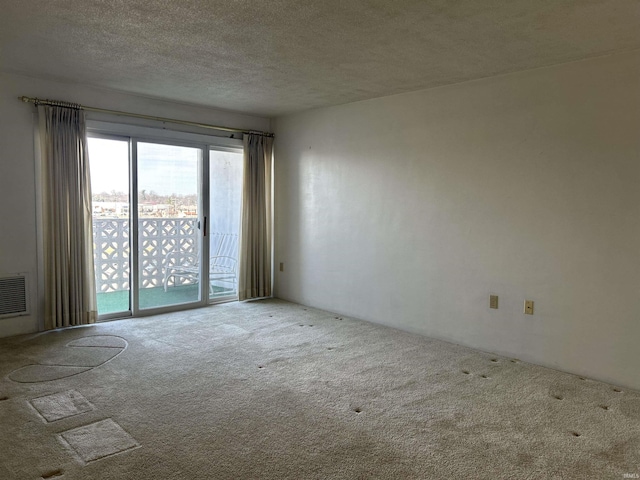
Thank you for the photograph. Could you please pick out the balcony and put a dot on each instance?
(158, 238)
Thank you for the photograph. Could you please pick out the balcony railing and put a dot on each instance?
(158, 237)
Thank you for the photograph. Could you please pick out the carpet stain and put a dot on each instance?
(52, 474)
(450, 424)
(525, 460)
(630, 407)
(618, 452)
(404, 385)
(374, 460)
(561, 391)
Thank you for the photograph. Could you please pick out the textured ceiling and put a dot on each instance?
(274, 57)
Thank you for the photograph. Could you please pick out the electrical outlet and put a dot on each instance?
(528, 307)
(493, 301)
(282, 266)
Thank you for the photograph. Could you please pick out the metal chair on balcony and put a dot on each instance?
(222, 271)
(223, 264)
(222, 275)
(183, 265)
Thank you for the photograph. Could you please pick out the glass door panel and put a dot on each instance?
(225, 194)
(109, 166)
(169, 247)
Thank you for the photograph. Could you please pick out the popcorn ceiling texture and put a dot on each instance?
(275, 390)
(271, 58)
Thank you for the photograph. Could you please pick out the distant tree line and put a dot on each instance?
(147, 197)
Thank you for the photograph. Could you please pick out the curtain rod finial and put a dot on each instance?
(26, 99)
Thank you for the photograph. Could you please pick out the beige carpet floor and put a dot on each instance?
(274, 390)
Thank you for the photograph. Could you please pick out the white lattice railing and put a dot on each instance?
(158, 237)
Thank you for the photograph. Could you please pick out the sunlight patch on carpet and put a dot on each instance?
(61, 405)
(98, 440)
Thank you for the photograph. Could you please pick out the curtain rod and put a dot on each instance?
(55, 103)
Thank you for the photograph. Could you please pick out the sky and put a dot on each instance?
(164, 169)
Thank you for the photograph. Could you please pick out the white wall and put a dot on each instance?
(17, 180)
(410, 210)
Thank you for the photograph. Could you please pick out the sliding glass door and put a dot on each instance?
(225, 184)
(169, 239)
(110, 191)
(174, 243)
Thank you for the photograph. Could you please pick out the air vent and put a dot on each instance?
(13, 295)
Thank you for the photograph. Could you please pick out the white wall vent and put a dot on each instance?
(13, 295)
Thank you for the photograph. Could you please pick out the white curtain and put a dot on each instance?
(69, 281)
(254, 276)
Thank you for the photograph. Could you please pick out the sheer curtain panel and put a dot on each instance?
(69, 281)
(254, 276)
